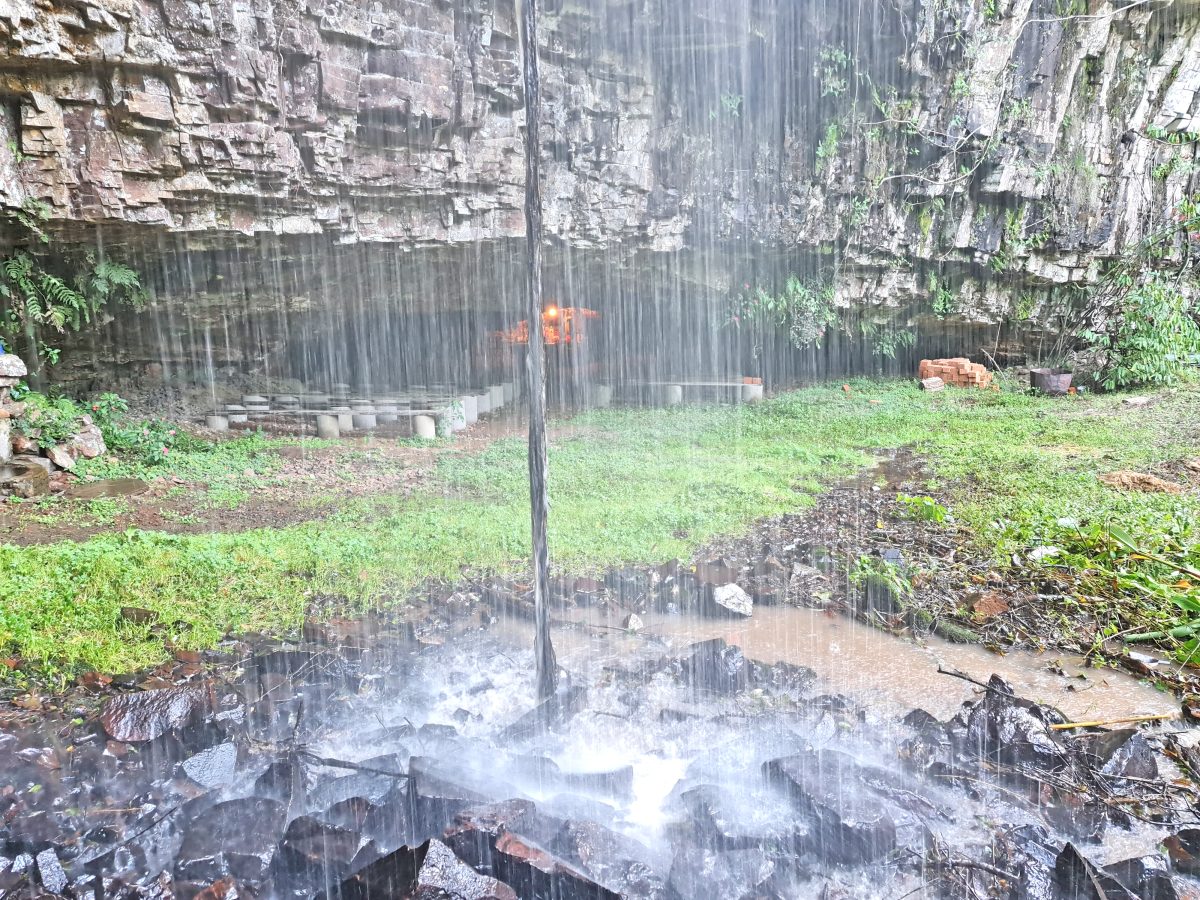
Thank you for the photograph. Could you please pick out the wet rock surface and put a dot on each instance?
(393, 792)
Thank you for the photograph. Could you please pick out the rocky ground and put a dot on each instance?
(403, 756)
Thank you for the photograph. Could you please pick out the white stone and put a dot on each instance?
(216, 423)
(12, 366)
(425, 427)
(673, 394)
(470, 408)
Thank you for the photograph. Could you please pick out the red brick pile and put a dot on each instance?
(959, 372)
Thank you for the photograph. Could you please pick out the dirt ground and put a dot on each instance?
(309, 484)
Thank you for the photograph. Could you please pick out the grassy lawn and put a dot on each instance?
(629, 486)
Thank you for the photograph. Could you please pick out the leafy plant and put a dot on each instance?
(1152, 337)
(943, 300)
(922, 509)
(883, 571)
(887, 342)
(41, 302)
(49, 421)
(828, 148)
(834, 62)
(804, 309)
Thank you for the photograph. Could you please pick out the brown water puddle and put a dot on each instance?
(885, 673)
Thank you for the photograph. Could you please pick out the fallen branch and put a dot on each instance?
(1127, 720)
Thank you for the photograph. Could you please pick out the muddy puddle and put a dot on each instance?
(888, 675)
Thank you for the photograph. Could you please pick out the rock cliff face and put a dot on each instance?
(973, 159)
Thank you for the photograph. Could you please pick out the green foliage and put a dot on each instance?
(991, 10)
(860, 208)
(47, 420)
(35, 301)
(1152, 338)
(828, 148)
(868, 569)
(804, 309)
(922, 509)
(961, 88)
(942, 300)
(731, 105)
(833, 71)
(887, 341)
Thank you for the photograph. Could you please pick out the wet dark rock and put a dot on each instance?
(313, 856)
(730, 600)
(146, 715)
(567, 701)
(474, 832)
(732, 874)
(614, 861)
(715, 667)
(284, 780)
(1013, 732)
(350, 813)
(1029, 851)
(434, 798)
(389, 820)
(534, 872)
(1147, 877)
(716, 572)
(782, 679)
(850, 824)
(235, 837)
(629, 586)
(724, 822)
(374, 787)
(1079, 878)
(1124, 753)
(428, 872)
(1183, 847)
(213, 767)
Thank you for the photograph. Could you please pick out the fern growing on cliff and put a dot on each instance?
(37, 304)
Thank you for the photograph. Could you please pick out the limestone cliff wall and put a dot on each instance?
(259, 157)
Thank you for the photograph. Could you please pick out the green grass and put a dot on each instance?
(632, 486)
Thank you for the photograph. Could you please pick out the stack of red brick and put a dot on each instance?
(959, 372)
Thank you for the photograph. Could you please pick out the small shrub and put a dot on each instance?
(1152, 337)
(922, 509)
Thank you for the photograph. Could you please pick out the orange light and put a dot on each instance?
(552, 312)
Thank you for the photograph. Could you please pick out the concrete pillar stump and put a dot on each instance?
(425, 427)
(327, 428)
(216, 423)
(470, 408)
(673, 395)
(752, 393)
